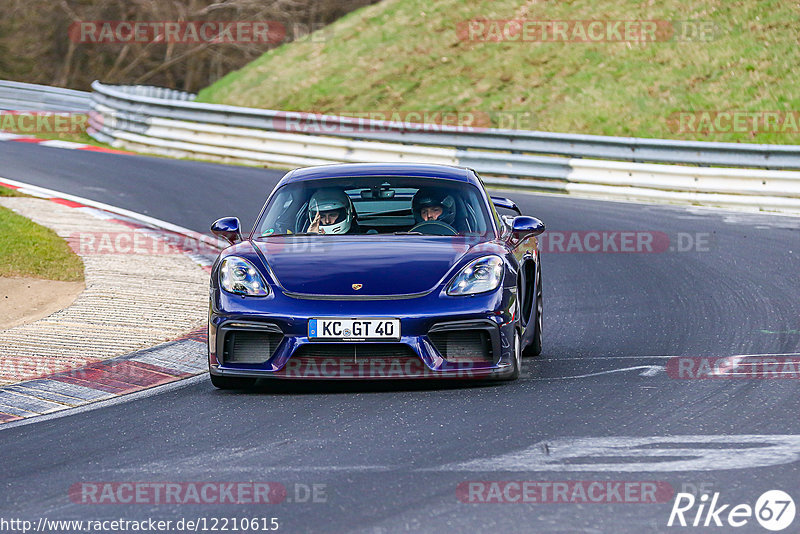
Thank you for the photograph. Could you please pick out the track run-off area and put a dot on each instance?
(627, 406)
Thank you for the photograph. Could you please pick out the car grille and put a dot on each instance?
(463, 345)
(354, 360)
(354, 350)
(250, 347)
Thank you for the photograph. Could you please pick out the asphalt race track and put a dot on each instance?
(389, 458)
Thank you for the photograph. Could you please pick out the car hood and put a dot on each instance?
(381, 266)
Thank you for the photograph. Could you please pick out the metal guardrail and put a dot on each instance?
(171, 123)
(18, 96)
(515, 141)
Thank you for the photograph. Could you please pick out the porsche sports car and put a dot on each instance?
(376, 271)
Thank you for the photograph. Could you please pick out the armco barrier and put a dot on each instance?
(19, 96)
(168, 122)
(156, 102)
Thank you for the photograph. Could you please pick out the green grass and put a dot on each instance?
(407, 55)
(67, 127)
(28, 249)
(74, 137)
(8, 192)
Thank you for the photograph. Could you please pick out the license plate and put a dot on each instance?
(339, 329)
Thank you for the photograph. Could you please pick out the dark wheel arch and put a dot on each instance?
(533, 346)
(529, 306)
(525, 289)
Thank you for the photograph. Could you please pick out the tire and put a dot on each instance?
(232, 382)
(535, 347)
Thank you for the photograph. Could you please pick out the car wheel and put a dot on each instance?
(232, 382)
(535, 347)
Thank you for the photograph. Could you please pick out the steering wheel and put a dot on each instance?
(434, 228)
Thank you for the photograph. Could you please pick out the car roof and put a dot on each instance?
(343, 170)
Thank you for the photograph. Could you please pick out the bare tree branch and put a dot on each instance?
(35, 43)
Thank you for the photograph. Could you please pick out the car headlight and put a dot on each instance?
(237, 275)
(479, 276)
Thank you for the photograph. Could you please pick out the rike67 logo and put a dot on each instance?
(774, 510)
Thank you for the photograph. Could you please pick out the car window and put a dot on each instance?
(376, 205)
(499, 222)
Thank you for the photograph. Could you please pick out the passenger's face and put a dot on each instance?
(327, 218)
(431, 213)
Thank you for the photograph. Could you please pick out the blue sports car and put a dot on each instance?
(376, 271)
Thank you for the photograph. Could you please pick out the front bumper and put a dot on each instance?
(423, 351)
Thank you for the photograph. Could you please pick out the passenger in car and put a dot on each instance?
(330, 211)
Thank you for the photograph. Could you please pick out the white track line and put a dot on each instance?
(649, 370)
(582, 358)
(158, 223)
(50, 193)
(711, 210)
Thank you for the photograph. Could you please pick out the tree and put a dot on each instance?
(55, 42)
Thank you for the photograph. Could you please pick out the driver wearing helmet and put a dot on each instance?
(433, 205)
(331, 211)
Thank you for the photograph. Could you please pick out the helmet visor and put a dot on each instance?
(327, 217)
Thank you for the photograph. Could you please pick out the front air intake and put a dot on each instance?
(462, 346)
(250, 347)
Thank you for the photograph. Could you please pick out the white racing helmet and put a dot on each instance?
(332, 200)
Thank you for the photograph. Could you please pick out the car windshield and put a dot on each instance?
(376, 205)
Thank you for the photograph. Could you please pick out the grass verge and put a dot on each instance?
(408, 55)
(72, 137)
(8, 192)
(28, 249)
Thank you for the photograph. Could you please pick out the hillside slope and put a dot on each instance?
(409, 55)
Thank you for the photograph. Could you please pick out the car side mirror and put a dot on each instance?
(524, 226)
(507, 203)
(228, 229)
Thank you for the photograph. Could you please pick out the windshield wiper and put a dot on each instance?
(408, 233)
